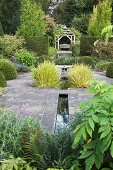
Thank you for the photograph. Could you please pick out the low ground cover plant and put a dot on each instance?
(46, 75)
(80, 76)
(1, 91)
(87, 61)
(8, 69)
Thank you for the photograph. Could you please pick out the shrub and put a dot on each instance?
(41, 59)
(86, 45)
(11, 44)
(68, 60)
(25, 57)
(22, 68)
(1, 30)
(76, 48)
(80, 76)
(11, 131)
(109, 71)
(8, 69)
(46, 75)
(52, 51)
(105, 51)
(39, 45)
(102, 66)
(94, 130)
(2, 80)
(87, 61)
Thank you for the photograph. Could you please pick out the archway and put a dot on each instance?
(65, 43)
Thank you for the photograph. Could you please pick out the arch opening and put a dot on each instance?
(65, 43)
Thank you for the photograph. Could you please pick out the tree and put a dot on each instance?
(10, 15)
(75, 13)
(100, 18)
(32, 21)
(45, 4)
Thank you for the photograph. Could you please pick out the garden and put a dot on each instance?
(56, 105)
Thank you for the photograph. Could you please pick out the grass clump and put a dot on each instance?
(80, 76)
(2, 80)
(8, 69)
(47, 76)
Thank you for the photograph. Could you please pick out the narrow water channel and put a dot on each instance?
(62, 116)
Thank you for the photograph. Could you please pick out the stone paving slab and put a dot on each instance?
(21, 96)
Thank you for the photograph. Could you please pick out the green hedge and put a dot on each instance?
(39, 45)
(87, 44)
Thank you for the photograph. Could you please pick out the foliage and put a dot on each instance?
(102, 66)
(45, 4)
(8, 69)
(50, 150)
(10, 15)
(62, 60)
(70, 10)
(32, 19)
(11, 130)
(81, 23)
(109, 71)
(87, 61)
(42, 58)
(80, 76)
(15, 164)
(76, 48)
(11, 44)
(105, 51)
(100, 18)
(52, 51)
(87, 45)
(95, 128)
(46, 75)
(38, 45)
(1, 30)
(107, 33)
(3, 82)
(22, 68)
(25, 57)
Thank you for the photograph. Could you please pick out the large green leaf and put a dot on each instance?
(111, 149)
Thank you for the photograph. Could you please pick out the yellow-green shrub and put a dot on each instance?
(80, 76)
(46, 75)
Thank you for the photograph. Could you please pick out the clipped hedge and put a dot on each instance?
(8, 69)
(109, 71)
(3, 82)
(39, 45)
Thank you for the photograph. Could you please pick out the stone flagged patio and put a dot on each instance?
(22, 97)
